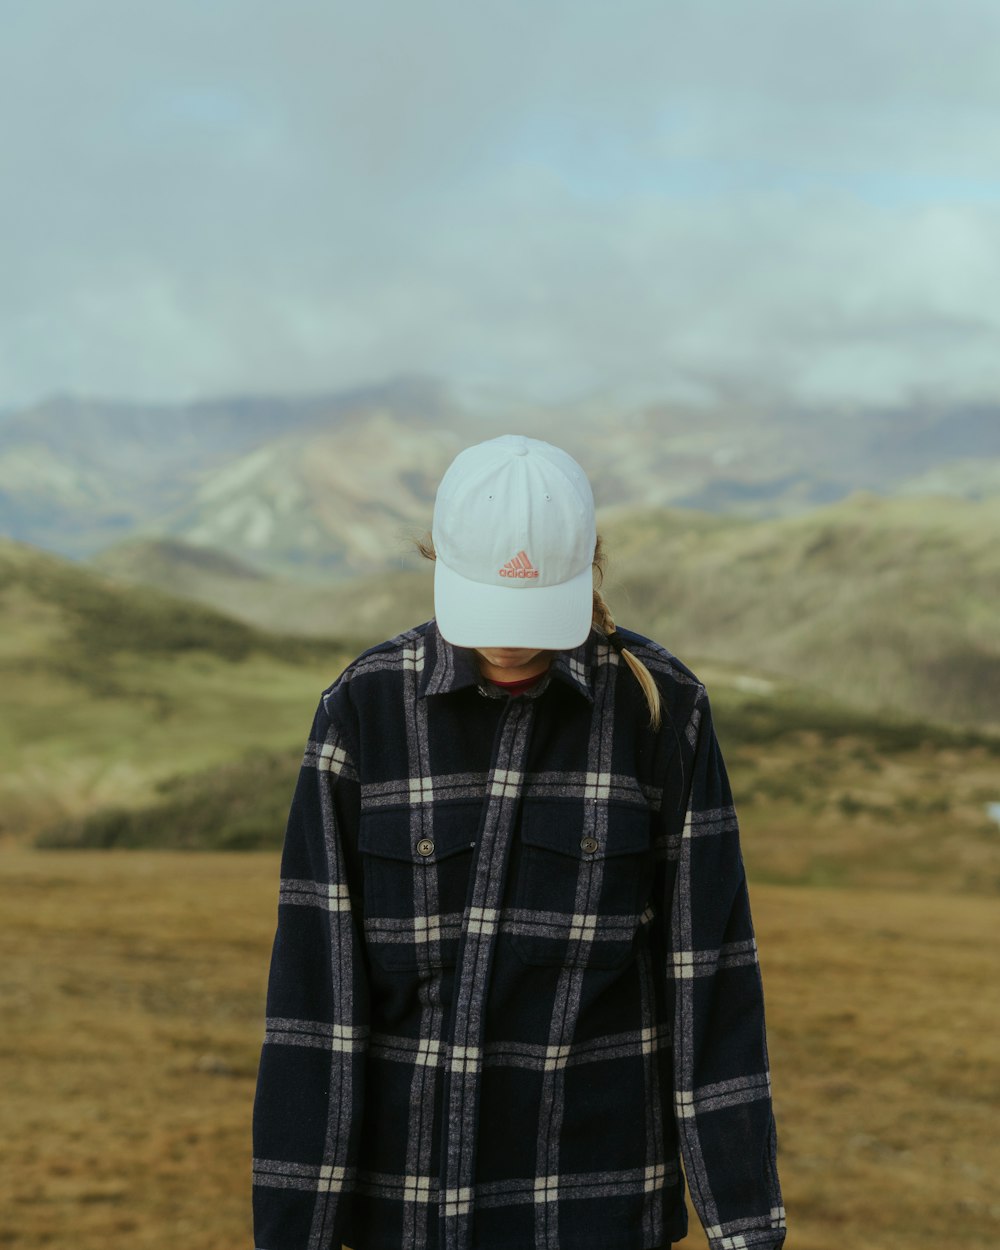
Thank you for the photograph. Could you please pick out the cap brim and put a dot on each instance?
(551, 618)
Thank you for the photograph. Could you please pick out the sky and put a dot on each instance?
(788, 201)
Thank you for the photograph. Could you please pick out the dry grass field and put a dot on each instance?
(131, 990)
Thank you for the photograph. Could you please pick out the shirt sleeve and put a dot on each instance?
(722, 1086)
(309, 1095)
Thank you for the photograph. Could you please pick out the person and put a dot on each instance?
(514, 979)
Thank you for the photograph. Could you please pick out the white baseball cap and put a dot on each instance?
(514, 536)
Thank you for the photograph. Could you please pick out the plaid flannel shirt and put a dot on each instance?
(514, 976)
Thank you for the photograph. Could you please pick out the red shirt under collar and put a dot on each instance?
(519, 687)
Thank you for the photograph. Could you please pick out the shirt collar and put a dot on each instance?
(448, 668)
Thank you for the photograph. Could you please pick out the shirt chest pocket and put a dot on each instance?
(416, 878)
(582, 884)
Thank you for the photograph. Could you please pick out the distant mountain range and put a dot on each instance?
(337, 485)
(250, 475)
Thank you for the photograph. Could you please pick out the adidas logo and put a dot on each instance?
(520, 566)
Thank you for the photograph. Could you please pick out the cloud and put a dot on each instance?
(696, 198)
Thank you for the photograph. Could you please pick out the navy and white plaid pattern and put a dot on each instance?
(514, 977)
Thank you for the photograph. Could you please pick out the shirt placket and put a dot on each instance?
(481, 922)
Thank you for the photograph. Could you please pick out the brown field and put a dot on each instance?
(132, 994)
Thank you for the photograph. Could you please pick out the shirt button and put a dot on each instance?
(425, 846)
(590, 845)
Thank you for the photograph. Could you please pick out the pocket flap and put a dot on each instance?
(387, 832)
(557, 826)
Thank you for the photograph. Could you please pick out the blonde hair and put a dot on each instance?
(604, 621)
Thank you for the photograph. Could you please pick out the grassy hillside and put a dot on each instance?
(826, 796)
(110, 690)
(235, 805)
(177, 567)
(376, 606)
(133, 719)
(891, 605)
(887, 604)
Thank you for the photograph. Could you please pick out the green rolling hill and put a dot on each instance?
(110, 690)
(133, 719)
(890, 605)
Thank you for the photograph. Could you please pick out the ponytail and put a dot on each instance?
(606, 622)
